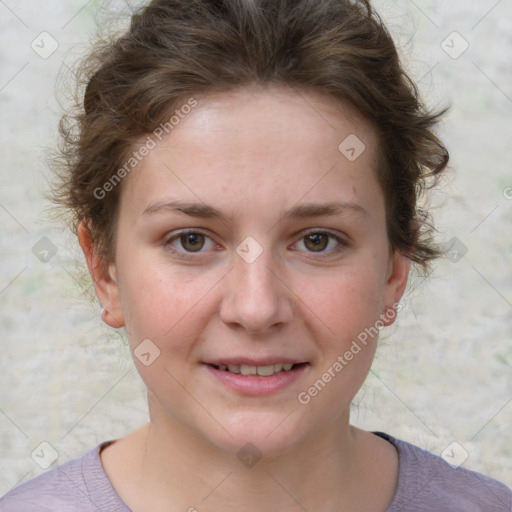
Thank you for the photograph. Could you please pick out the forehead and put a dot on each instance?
(272, 117)
(262, 138)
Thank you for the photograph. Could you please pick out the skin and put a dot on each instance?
(252, 153)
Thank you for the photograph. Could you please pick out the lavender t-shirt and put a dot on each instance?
(425, 483)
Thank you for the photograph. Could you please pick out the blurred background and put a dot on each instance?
(442, 377)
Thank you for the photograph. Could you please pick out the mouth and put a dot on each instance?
(248, 376)
(267, 370)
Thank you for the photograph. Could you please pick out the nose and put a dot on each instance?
(256, 298)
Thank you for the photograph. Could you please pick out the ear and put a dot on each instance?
(104, 279)
(397, 275)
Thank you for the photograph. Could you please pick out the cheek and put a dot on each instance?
(346, 303)
(348, 310)
(164, 304)
(171, 317)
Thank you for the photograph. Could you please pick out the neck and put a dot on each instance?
(169, 467)
(206, 475)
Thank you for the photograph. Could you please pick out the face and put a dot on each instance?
(247, 240)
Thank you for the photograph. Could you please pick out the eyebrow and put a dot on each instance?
(204, 211)
(328, 209)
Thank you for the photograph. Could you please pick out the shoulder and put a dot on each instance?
(426, 482)
(79, 485)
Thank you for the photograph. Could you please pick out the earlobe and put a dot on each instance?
(110, 320)
(104, 279)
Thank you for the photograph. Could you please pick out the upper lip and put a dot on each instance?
(251, 361)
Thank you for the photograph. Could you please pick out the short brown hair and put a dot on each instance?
(178, 48)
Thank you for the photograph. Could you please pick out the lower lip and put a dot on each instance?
(256, 385)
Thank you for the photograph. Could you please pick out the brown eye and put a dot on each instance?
(316, 242)
(192, 242)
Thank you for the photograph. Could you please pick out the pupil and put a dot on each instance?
(192, 241)
(318, 241)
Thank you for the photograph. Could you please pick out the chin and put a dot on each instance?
(259, 434)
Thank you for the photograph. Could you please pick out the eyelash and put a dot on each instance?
(342, 244)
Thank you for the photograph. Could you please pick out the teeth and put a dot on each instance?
(248, 370)
(264, 371)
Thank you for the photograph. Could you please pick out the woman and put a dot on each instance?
(244, 187)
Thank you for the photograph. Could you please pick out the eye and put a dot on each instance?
(322, 242)
(189, 242)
